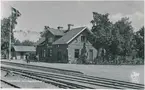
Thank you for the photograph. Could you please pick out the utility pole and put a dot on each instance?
(14, 14)
(10, 46)
(10, 36)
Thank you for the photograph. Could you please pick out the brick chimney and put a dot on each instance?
(59, 28)
(46, 27)
(69, 26)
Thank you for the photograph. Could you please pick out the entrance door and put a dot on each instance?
(90, 54)
(22, 55)
(59, 56)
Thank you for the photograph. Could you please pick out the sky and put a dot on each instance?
(37, 14)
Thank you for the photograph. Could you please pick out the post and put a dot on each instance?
(10, 38)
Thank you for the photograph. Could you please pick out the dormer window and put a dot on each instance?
(83, 39)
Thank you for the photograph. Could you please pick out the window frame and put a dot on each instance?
(76, 53)
(83, 38)
(44, 53)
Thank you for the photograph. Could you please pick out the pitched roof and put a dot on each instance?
(42, 39)
(25, 48)
(56, 31)
(70, 35)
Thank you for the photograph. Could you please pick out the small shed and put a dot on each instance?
(19, 52)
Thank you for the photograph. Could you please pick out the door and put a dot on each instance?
(91, 54)
(59, 56)
(22, 55)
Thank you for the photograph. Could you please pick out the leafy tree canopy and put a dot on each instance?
(7, 26)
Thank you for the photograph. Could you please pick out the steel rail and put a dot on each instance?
(8, 83)
(91, 82)
(115, 82)
(62, 83)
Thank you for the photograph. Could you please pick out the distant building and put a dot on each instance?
(19, 52)
(65, 46)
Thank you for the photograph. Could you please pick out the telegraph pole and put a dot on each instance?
(14, 14)
(10, 36)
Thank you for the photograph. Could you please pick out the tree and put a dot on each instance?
(17, 42)
(141, 32)
(113, 40)
(139, 37)
(122, 39)
(102, 29)
(27, 43)
(83, 57)
(7, 26)
(125, 36)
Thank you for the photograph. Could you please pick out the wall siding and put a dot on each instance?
(66, 51)
(18, 55)
(46, 45)
(63, 51)
(77, 44)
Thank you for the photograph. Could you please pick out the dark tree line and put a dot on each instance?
(116, 43)
(24, 43)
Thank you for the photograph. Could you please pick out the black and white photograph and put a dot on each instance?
(74, 44)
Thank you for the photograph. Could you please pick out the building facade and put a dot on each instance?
(19, 52)
(67, 48)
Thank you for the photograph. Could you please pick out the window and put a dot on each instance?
(59, 55)
(91, 54)
(83, 38)
(50, 39)
(76, 53)
(44, 53)
(49, 52)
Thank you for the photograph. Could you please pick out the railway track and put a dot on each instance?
(9, 84)
(73, 73)
(89, 80)
(48, 69)
(39, 76)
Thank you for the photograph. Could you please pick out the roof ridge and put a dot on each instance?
(24, 45)
(76, 34)
(70, 35)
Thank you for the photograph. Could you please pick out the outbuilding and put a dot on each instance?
(19, 52)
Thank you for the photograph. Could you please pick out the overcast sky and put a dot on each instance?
(37, 14)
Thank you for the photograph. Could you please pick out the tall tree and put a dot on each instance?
(102, 29)
(83, 57)
(7, 27)
(125, 36)
(112, 39)
(122, 40)
(139, 37)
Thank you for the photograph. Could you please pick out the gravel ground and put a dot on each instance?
(24, 82)
(4, 85)
(118, 72)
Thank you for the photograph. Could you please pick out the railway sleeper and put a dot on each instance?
(61, 85)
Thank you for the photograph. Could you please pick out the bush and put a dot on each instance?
(138, 61)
